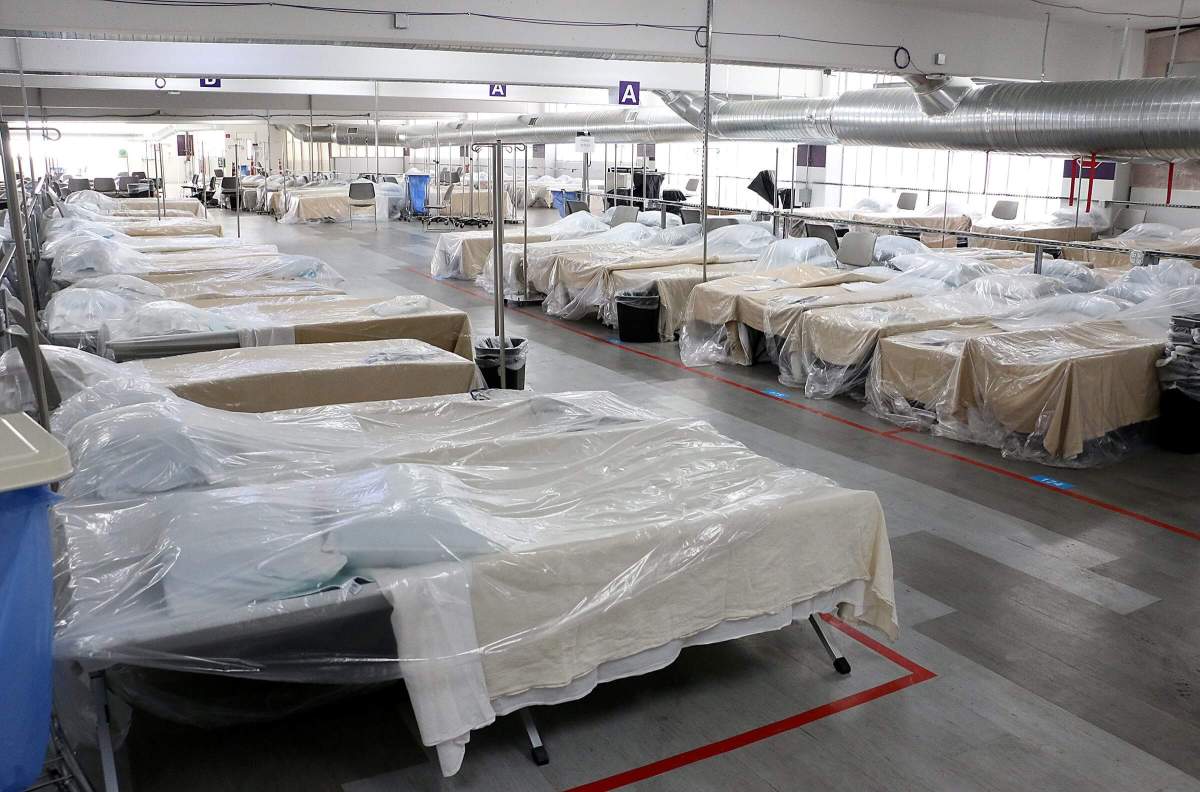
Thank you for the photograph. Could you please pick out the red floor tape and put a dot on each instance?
(914, 676)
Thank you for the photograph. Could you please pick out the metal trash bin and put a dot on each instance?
(487, 357)
(29, 459)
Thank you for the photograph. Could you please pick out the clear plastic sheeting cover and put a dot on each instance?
(1049, 389)
(722, 314)
(837, 344)
(144, 226)
(1157, 237)
(88, 258)
(581, 283)
(73, 370)
(652, 218)
(791, 252)
(485, 551)
(1142, 283)
(82, 310)
(541, 254)
(1075, 276)
(888, 247)
(66, 232)
(464, 254)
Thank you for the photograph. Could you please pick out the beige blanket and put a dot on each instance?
(1028, 231)
(317, 320)
(200, 285)
(1071, 384)
(281, 377)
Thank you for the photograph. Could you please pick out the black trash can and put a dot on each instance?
(637, 317)
(487, 357)
(1179, 422)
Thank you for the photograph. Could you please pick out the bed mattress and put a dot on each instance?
(519, 554)
(1041, 231)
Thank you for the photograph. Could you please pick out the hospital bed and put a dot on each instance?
(142, 226)
(1058, 382)
(260, 379)
(331, 203)
(836, 345)
(89, 258)
(1046, 230)
(626, 236)
(805, 260)
(163, 328)
(136, 207)
(1117, 250)
(949, 219)
(485, 552)
(579, 283)
(462, 254)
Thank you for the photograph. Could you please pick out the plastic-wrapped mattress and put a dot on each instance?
(491, 553)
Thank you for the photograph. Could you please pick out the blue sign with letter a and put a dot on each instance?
(210, 82)
(497, 89)
(629, 92)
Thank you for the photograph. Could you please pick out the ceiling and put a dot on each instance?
(1141, 14)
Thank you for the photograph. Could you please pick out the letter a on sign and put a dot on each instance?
(497, 89)
(629, 93)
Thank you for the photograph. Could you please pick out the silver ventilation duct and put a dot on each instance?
(1151, 119)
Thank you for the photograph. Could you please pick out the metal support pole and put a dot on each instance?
(237, 197)
(525, 225)
(312, 160)
(536, 749)
(377, 174)
(108, 762)
(16, 218)
(1175, 40)
(840, 663)
(946, 201)
(1038, 252)
(1124, 50)
(498, 247)
(708, 15)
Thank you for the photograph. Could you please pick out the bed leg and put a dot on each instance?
(840, 663)
(108, 762)
(537, 749)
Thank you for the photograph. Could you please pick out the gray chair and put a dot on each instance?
(78, 185)
(907, 201)
(390, 180)
(1127, 218)
(446, 204)
(1005, 210)
(229, 189)
(576, 206)
(362, 194)
(822, 231)
(623, 215)
(692, 187)
(857, 249)
(690, 216)
(104, 185)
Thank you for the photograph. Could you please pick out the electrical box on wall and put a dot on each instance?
(939, 59)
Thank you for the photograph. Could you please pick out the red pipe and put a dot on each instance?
(1091, 178)
(1170, 180)
(1074, 173)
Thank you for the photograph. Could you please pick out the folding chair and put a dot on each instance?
(822, 231)
(907, 201)
(857, 249)
(362, 194)
(623, 215)
(1005, 210)
(104, 185)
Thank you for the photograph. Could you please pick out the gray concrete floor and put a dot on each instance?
(1060, 627)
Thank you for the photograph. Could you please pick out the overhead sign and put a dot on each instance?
(584, 143)
(210, 82)
(497, 89)
(629, 92)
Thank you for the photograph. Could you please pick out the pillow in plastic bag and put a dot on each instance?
(167, 317)
(72, 369)
(1075, 276)
(890, 246)
(402, 306)
(126, 285)
(84, 310)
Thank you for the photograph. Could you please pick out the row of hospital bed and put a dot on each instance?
(925, 334)
(279, 483)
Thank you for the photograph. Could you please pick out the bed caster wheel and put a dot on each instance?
(841, 665)
(540, 757)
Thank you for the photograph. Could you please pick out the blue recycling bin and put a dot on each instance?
(560, 197)
(418, 186)
(26, 634)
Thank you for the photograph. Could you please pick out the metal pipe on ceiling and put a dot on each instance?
(1156, 119)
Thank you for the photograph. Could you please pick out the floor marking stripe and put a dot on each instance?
(897, 436)
(915, 675)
